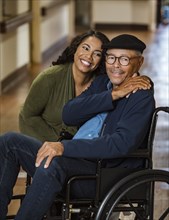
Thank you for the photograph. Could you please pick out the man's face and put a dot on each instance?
(127, 63)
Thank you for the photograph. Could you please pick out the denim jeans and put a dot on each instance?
(17, 150)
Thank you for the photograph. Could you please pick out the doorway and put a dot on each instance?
(162, 12)
(83, 14)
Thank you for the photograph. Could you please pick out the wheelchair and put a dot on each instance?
(119, 191)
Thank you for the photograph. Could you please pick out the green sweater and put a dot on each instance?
(41, 114)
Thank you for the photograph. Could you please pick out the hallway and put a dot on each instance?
(156, 66)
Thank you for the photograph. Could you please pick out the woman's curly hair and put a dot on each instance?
(67, 55)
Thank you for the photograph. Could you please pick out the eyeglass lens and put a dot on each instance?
(122, 60)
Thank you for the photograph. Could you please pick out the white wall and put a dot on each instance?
(54, 27)
(14, 45)
(14, 50)
(124, 12)
(140, 12)
(57, 24)
(111, 11)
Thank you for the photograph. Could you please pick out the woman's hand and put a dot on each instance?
(49, 150)
(131, 85)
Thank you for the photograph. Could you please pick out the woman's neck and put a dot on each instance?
(82, 81)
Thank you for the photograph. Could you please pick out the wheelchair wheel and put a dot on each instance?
(155, 179)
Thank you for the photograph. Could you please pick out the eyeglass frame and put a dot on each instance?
(129, 58)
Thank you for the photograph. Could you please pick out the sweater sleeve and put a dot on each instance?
(90, 103)
(126, 129)
(30, 117)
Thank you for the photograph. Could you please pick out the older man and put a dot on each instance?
(113, 115)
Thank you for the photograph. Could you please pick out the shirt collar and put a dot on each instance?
(109, 85)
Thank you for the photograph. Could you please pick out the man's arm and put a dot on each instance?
(94, 100)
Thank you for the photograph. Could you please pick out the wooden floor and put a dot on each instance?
(156, 66)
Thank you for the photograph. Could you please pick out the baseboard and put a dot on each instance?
(15, 77)
(55, 48)
(105, 26)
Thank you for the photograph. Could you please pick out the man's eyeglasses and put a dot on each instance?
(123, 60)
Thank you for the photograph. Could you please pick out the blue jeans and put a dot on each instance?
(19, 150)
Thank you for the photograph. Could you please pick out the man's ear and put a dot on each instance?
(141, 61)
(139, 64)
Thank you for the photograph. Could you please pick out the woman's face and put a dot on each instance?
(88, 55)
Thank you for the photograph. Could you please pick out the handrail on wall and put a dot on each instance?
(46, 9)
(14, 22)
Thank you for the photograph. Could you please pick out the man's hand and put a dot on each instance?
(49, 150)
(131, 85)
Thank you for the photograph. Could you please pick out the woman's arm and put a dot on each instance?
(31, 121)
(90, 103)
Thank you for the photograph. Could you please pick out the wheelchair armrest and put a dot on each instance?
(140, 153)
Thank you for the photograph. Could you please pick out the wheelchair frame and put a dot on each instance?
(102, 209)
(97, 206)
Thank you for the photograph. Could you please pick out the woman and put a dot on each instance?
(71, 74)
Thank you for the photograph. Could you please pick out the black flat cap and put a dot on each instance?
(125, 41)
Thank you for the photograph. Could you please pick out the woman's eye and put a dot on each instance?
(85, 47)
